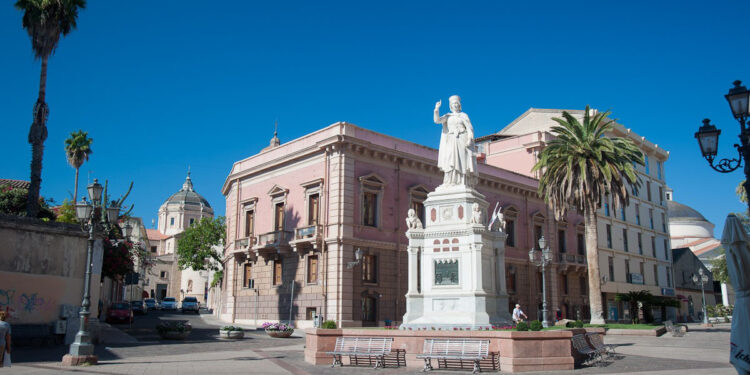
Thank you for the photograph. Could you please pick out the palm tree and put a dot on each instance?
(45, 21)
(634, 298)
(78, 149)
(579, 166)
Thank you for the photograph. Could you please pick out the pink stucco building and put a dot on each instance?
(297, 212)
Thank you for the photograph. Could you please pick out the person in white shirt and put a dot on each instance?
(517, 312)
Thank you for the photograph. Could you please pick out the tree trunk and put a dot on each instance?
(37, 136)
(592, 257)
(75, 190)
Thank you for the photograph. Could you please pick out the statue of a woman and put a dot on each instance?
(456, 153)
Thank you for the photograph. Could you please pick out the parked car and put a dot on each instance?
(190, 304)
(151, 303)
(119, 312)
(169, 303)
(138, 307)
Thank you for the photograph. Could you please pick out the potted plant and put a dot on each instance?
(231, 332)
(174, 329)
(278, 330)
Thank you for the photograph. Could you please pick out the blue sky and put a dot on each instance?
(161, 86)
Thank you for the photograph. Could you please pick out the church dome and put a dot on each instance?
(187, 197)
(681, 212)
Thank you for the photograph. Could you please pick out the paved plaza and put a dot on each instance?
(138, 350)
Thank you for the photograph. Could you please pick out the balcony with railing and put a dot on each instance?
(571, 262)
(307, 236)
(274, 242)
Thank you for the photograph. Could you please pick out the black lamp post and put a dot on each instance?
(90, 217)
(702, 279)
(708, 135)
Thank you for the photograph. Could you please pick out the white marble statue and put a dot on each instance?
(412, 220)
(456, 156)
(497, 216)
(476, 214)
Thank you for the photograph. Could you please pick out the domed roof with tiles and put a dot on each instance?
(188, 198)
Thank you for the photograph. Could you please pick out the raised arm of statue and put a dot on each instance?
(436, 116)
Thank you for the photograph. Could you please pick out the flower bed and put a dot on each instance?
(174, 329)
(278, 330)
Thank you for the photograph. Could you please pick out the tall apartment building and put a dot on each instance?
(298, 212)
(634, 248)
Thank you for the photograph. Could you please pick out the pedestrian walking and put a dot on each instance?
(517, 312)
(4, 340)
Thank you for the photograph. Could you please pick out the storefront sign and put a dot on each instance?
(669, 292)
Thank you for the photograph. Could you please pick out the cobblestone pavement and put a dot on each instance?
(701, 351)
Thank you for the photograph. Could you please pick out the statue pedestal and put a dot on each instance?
(456, 265)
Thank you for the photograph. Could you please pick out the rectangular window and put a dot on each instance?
(648, 192)
(638, 214)
(565, 284)
(666, 249)
(153, 249)
(622, 214)
(651, 217)
(625, 239)
(659, 169)
(653, 246)
(561, 241)
(606, 205)
(418, 208)
(634, 189)
(192, 220)
(279, 217)
(538, 233)
(247, 279)
(278, 269)
(369, 209)
(312, 269)
(611, 268)
(628, 277)
(370, 269)
(249, 223)
(656, 274)
(310, 313)
(312, 209)
(583, 285)
(640, 244)
(171, 221)
(510, 280)
(163, 274)
(446, 273)
(609, 236)
(510, 229)
(663, 223)
(648, 169)
(643, 274)
(581, 244)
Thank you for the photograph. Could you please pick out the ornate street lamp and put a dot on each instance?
(708, 135)
(542, 259)
(702, 279)
(89, 215)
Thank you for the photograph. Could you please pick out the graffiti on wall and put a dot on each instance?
(26, 304)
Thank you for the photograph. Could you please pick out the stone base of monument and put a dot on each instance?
(518, 351)
(79, 360)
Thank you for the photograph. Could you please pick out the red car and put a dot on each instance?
(119, 312)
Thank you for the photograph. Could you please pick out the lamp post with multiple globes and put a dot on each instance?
(702, 279)
(89, 214)
(542, 259)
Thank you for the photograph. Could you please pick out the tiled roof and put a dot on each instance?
(154, 234)
(19, 184)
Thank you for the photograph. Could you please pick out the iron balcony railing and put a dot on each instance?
(310, 231)
(275, 238)
(244, 242)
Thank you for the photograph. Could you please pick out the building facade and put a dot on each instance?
(298, 212)
(165, 279)
(687, 264)
(634, 249)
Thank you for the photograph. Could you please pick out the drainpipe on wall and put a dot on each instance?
(398, 239)
(324, 245)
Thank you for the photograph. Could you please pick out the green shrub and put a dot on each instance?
(578, 324)
(535, 325)
(231, 328)
(328, 324)
(522, 326)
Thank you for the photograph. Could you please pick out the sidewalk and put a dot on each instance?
(213, 320)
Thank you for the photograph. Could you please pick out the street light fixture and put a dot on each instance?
(708, 135)
(542, 259)
(89, 215)
(702, 279)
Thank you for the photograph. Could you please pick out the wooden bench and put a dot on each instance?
(580, 345)
(675, 329)
(460, 350)
(597, 342)
(373, 347)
